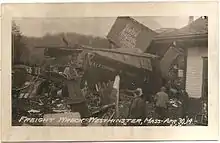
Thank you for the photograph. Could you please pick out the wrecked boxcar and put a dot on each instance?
(136, 69)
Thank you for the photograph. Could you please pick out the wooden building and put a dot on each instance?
(193, 39)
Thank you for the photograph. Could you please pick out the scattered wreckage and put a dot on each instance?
(41, 95)
(38, 91)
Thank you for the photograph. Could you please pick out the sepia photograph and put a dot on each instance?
(110, 71)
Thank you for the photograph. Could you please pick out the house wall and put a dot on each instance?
(195, 70)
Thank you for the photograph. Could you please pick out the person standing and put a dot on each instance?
(162, 100)
(138, 106)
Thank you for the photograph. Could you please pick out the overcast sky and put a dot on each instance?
(91, 26)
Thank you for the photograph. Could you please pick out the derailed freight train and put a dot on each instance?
(136, 70)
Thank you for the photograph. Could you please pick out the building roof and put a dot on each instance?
(164, 30)
(196, 28)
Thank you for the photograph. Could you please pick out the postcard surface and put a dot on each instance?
(109, 71)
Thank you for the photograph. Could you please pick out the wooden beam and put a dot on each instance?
(180, 40)
(144, 55)
(190, 36)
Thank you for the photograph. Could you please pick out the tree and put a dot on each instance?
(17, 44)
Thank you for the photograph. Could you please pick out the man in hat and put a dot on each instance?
(162, 100)
(138, 106)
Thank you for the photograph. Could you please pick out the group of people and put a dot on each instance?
(138, 108)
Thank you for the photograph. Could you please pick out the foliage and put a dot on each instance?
(55, 40)
(18, 46)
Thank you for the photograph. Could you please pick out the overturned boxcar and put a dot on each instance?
(135, 69)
